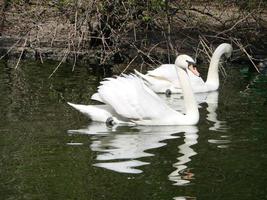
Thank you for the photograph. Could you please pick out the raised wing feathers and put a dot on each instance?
(167, 71)
(131, 98)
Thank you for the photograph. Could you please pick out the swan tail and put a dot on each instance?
(81, 108)
(93, 112)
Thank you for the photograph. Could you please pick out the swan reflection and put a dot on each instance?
(211, 101)
(218, 125)
(185, 198)
(183, 175)
(212, 105)
(121, 148)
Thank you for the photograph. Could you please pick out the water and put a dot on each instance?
(50, 151)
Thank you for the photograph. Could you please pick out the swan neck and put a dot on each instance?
(213, 73)
(189, 99)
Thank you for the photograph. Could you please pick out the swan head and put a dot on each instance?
(186, 62)
(227, 49)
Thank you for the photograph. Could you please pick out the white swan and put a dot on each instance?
(164, 78)
(128, 100)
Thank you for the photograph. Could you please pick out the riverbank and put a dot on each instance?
(103, 34)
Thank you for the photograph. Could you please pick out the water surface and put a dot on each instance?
(50, 151)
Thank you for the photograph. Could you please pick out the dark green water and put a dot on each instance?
(50, 151)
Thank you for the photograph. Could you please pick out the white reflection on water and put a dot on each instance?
(212, 105)
(122, 146)
(185, 198)
(222, 141)
(183, 175)
(211, 101)
(123, 166)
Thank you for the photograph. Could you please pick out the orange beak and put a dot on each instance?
(193, 69)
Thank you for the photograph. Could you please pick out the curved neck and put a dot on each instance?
(212, 81)
(191, 106)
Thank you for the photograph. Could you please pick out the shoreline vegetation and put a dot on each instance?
(130, 32)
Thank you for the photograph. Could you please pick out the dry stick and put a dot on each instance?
(38, 39)
(103, 57)
(75, 24)
(78, 50)
(238, 22)
(23, 48)
(54, 36)
(37, 36)
(134, 31)
(247, 54)
(73, 44)
(198, 50)
(62, 60)
(41, 58)
(75, 60)
(207, 14)
(153, 47)
(169, 45)
(80, 39)
(205, 45)
(148, 56)
(10, 49)
(75, 55)
(129, 64)
(205, 48)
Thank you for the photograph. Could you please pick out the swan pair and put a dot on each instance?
(128, 100)
(164, 78)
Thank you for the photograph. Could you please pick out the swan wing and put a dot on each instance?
(131, 98)
(97, 97)
(195, 80)
(167, 71)
(158, 84)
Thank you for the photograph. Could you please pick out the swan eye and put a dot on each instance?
(191, 63)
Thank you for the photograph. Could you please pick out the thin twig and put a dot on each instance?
(41, 58)
(10, 49)
(62, 60)
(247, 54)
(129, 64)
(238, 22)
(23, 48)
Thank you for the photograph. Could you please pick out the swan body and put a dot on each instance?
(128, 100)
(165, 76)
